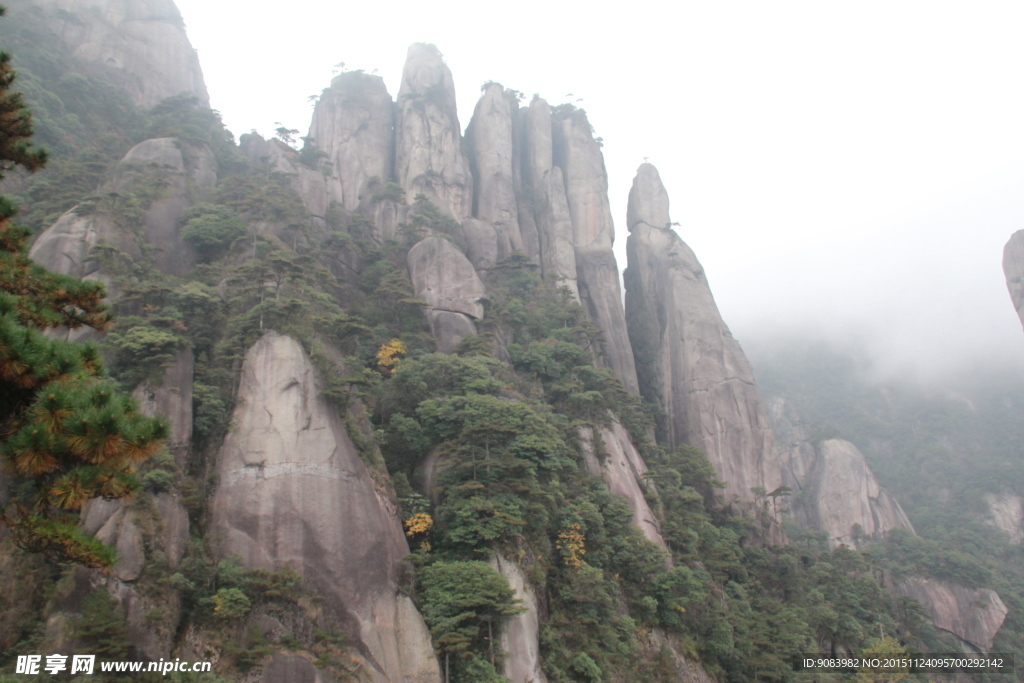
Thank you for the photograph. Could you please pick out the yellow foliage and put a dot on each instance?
(390, 353)
(571, 541)
(420, 523)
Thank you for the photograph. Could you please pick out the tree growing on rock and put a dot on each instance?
(66, 433)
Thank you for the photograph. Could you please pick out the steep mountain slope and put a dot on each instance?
(410, 439)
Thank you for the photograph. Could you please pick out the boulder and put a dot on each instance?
(1006, 513)
(293, 490)
(622, 470)
(973, 615)
(843, 494)
(687, 361)
(428, 138)
(520, 638)
(1013, 268)
(353, 126)
(139, 45)
(491, 144)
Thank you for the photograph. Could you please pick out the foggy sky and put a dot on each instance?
(850, 169)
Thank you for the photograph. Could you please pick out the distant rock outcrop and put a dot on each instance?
(1006, 513)
(444, 278)
(171, 397)
(688, 363)
(428, 138)
(973, 615)
(293, 490)
(1013, 268)
(844, 499)
(140, 45)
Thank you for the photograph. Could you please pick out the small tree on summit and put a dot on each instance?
(66, 433)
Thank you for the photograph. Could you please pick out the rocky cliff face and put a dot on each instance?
(1006, 513)
(1013, 268)
(172, 398)
(175, 174)
(140, 45)
(353, 126)
(844, 499)
(579, 156)
(688, 363)
(428, 138)
(974, 616)
(622, 469)
(294, 491)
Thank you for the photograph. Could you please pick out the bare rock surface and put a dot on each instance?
(140, 45)
(1006, 513)
(174, 527)
(428, 138)
(1013, 268)
(973, 615)
(578, 155)
(622, 470)
(687, 361)
(353, 126)
(293, 669)
(121, 531)
(549, 207)
(172, 399)
(294, 491)
(520, 638)
(843, 493)
(490, 139)
(796, 452)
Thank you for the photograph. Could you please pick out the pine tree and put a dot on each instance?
(66, 433)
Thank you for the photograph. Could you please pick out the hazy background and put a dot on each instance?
(851, 170)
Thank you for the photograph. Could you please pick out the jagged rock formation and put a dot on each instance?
(443, 277)
(293, 490)
(140, 45)
(428, 147)
(520, 636)
(1006, 513)
(1013, 268)
(843, 494)
(688, 363)
(579, 156)
(973, 615)
(181, 172)
(543, 183)
(622, 469)
(490, 139)
(353, 126)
